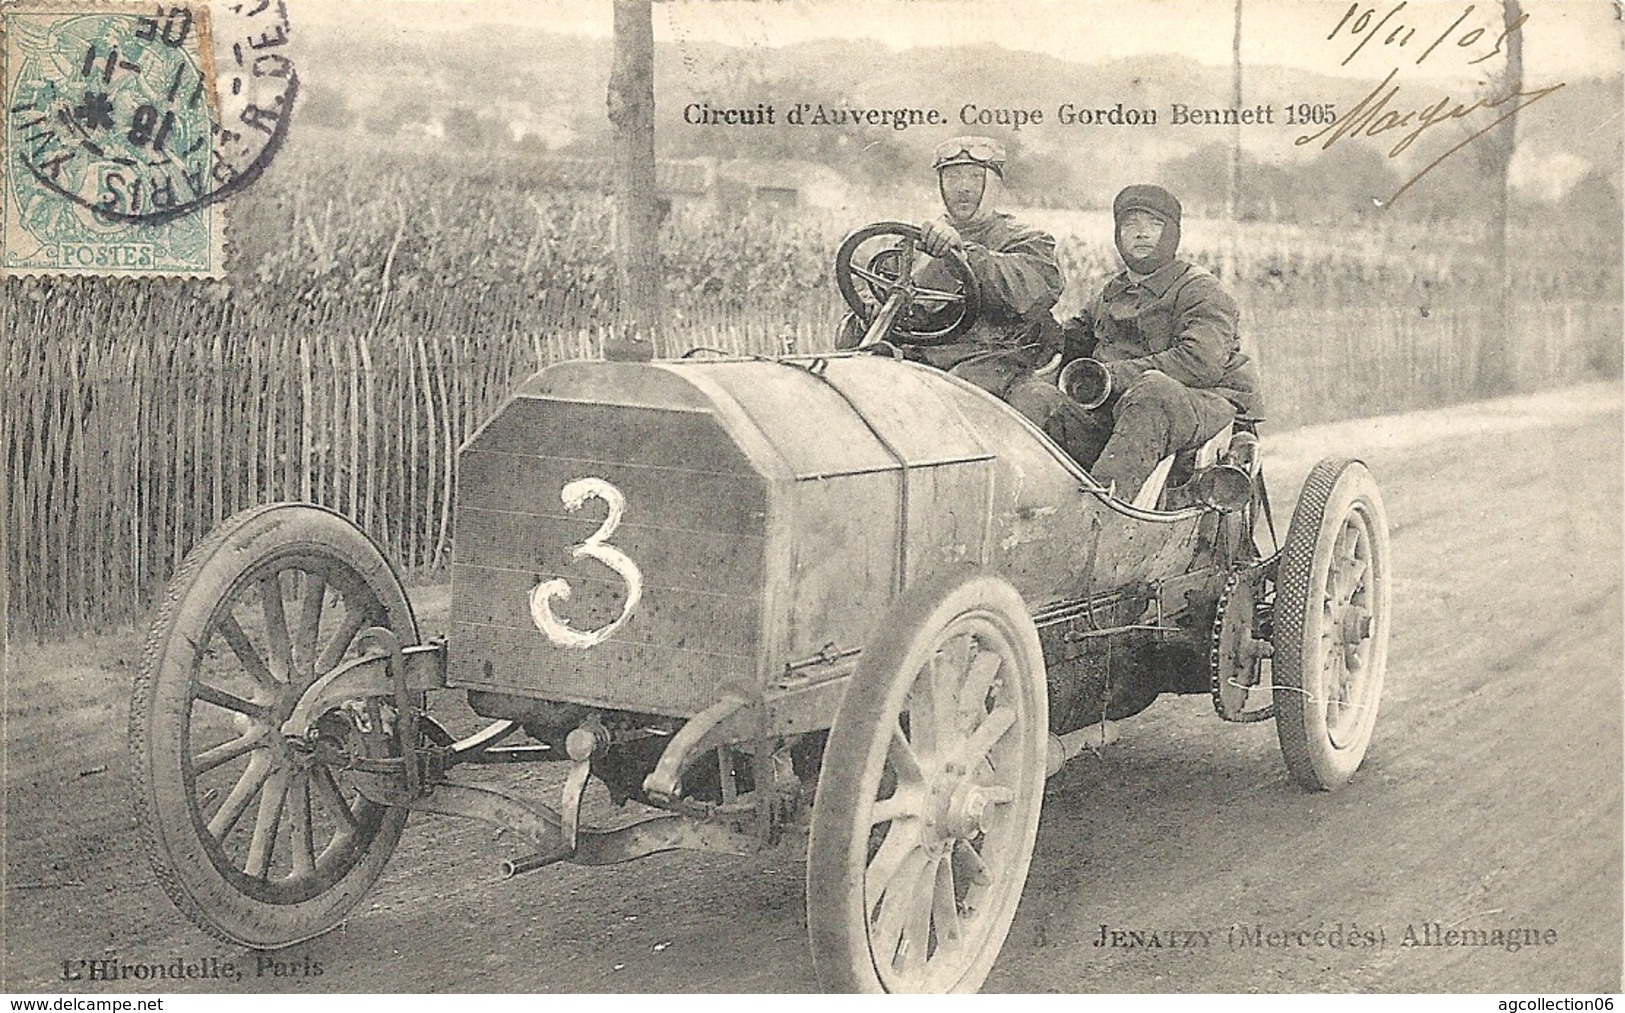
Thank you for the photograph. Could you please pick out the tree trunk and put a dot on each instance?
(1232, 190)
(632, 114)
(1495, 363)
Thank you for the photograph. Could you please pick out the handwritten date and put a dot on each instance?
(1357, 24)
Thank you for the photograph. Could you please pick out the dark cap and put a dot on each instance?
(1147, 197)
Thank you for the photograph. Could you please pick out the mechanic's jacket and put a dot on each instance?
(1177, 320)
(1020, 281)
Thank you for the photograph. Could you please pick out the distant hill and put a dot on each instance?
(547, 90)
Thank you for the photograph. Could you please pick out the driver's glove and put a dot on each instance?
(1078, 335)
(939, 237)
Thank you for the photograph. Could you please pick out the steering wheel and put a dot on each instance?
(886, 278)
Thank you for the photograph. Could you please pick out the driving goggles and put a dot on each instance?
(982, 151)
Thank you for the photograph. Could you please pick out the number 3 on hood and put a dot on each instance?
(597, 546)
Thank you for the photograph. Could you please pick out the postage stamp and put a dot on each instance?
(126, 125)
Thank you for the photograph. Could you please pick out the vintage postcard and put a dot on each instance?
(903, 495)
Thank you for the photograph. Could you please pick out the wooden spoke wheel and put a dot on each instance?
(1331, 625)
(252, 834)
(928, 799)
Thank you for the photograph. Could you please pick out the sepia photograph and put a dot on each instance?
(794, 496)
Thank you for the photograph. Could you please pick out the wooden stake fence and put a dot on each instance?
(120, 456)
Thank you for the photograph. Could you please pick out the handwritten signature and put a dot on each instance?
(1381, 111)
(1373, 116)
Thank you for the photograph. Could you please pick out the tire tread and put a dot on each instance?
(1295, 577)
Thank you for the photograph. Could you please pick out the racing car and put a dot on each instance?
(842, 602)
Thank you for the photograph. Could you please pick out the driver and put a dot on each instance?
(1020, 281)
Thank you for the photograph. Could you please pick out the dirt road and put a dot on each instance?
(1491, 798)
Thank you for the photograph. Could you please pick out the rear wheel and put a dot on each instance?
(1331, 625)
(928, 799)
(251, 834)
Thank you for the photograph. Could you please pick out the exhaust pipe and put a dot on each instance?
(1065, 747)
(530, 863)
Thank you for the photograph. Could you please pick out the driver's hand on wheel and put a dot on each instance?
(939, 237)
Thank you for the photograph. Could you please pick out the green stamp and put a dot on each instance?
(125, 127)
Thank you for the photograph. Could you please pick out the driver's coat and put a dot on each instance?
(1020, 281)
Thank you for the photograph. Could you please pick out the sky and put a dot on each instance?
(1576, 38)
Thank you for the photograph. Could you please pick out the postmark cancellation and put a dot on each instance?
(126, 126)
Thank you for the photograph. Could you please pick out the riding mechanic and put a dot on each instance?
(1162, 335)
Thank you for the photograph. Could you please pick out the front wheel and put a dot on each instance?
(252, 834)
(928, 800)
(1331, 625)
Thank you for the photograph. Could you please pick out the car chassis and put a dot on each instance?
(840, 596)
